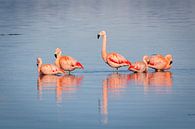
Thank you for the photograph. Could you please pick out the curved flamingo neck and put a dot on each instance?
(39, 67)
(145, 60)
(104, 53)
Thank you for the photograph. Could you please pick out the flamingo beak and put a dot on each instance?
(98, 36)
(37, 65)
(55, 55)
(82, 66)
(79, 65)
(171, 62)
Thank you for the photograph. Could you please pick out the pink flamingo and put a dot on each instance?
(48, 68)
(159, 62)
(113, 59)
(66, 63)
(139, 67)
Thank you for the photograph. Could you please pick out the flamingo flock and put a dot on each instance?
(64, 63)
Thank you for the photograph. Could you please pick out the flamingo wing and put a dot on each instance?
(71, 62)
(49, 69)
(155, 59)
(157, 62)
(65, 59)
(75, 63)
(118, 59)
(135, 67)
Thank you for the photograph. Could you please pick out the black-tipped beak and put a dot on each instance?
(55, 55)
(171, 62)
(37, 65)
(98, 36)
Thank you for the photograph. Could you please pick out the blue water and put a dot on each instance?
(96, 97)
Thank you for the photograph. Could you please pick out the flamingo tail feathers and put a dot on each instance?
(78, 64)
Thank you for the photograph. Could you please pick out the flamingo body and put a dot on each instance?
(48, 68)
(138, 67)
(113, 59)
(116, 60)
(159, 62)
(66, 63)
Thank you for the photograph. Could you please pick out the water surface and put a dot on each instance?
(96, 97)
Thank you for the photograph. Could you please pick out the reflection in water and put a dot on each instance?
(160, 79)
(66, 83)
(139, 78)
(156, 80)
(113, 83)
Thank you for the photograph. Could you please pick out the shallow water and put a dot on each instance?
(96, 97)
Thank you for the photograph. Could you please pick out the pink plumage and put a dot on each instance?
(66, 63)
(113, 59)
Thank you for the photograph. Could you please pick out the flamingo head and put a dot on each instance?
(169, 58)
(58, 52)
(102, 33)
(39, 61)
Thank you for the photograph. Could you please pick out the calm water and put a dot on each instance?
(96, 97)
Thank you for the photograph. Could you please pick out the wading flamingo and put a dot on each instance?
(48, 68)
(139, 67)
(113, 59)
(66, 63)
(159, 62)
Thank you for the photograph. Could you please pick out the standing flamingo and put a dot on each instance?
(139, 67)
(159, 62)
(48, 68)
(113, 59)
(66, 63)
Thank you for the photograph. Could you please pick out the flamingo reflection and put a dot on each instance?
(68, 83)
(139, 78)
(160, 79)
(113, 83)
(155, 80)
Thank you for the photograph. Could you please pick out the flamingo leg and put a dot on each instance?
(115, 70)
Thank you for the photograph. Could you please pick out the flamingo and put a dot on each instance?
(47, 68)
(140, 66)
(66, 63)
(113, 59)
(160, 62)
